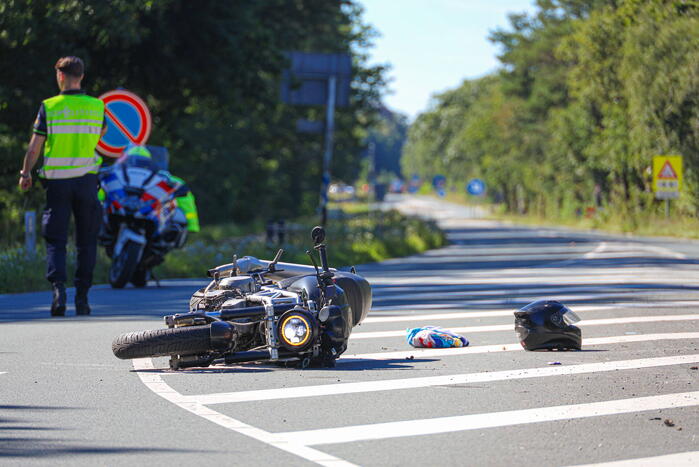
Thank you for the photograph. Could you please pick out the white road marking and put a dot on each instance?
(446, 380)
(510, 327)
(680, 459)
(424, 353)
(431, 426)
(600, 248)
(388, 318)
(2, 372)
(511, 277)
(155, 383)
(505, 311)
(473, 296)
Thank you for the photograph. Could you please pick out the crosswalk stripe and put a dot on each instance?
(156, 384)
(680, 459)
(522, 300)
(445, 380)
(488, 420)
(391, 309)
(450, 352)
(470, 314)
(475, 295)
(510, 327)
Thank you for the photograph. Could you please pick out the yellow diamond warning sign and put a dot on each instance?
(667, 176)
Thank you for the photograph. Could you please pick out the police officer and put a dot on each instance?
(68, 127)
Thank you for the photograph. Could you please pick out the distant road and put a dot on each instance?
(631, 395)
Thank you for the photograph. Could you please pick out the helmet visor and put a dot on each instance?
(569, 317)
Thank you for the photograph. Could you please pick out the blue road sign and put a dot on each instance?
(476, 187)
(439, 181)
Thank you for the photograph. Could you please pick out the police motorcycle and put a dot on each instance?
(141, 220)
(261, 311)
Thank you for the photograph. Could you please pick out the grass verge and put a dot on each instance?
(352, 238)
(649, 224)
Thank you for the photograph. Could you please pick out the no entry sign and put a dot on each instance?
(128, 122)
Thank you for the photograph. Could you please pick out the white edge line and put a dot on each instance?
(509, 327)
(510, 311)
(445, 380)
(156, 384)
(680, 459)
(422, 353)
(600, 248)
(431, 426)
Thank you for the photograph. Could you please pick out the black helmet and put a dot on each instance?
(547, 324)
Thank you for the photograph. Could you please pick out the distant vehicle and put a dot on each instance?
(341, 192)
(397, 186)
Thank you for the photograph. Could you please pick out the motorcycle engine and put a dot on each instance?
(245, 284)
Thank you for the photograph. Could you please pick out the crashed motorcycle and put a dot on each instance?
(255, 310)
(142, 222)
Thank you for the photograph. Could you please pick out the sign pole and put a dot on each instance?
(30, 233)
(328, 155)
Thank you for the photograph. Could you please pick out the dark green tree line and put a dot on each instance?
(210, 74)
(588, 92)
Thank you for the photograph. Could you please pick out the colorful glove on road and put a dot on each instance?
(434, 337)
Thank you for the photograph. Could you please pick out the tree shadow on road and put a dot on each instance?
(28, 447)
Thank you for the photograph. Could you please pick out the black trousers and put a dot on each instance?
(79, 197)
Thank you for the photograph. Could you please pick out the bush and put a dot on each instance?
(354, 239)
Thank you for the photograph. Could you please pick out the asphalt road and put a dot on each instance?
(631, 395)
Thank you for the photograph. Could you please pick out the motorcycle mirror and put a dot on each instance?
(318, 235)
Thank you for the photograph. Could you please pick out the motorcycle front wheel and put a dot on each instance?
(189, 340)
(124, 265)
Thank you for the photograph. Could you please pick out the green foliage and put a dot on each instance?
(388, 137)
(589, 91)
(357, 238)
(210, 74)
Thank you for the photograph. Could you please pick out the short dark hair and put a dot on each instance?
(71, 66)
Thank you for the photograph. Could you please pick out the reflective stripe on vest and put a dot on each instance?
(74, 125)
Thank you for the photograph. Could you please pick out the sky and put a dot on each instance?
(433, 45)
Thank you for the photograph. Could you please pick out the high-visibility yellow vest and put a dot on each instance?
(74, 124)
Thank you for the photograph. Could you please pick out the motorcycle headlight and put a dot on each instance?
(297, 330)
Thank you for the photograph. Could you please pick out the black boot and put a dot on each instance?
(58, 305)
(81, 305)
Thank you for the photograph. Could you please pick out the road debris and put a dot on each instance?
(434, 337)
(668, 422)
(553, 363)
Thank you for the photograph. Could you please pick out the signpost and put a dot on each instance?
(414, 184)
(128, 122)
(319, 79)
(439, 182)
(30, 233)
(667, 179)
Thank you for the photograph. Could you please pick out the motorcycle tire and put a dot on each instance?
(124, 265)
(189, 340)
(140, 278)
